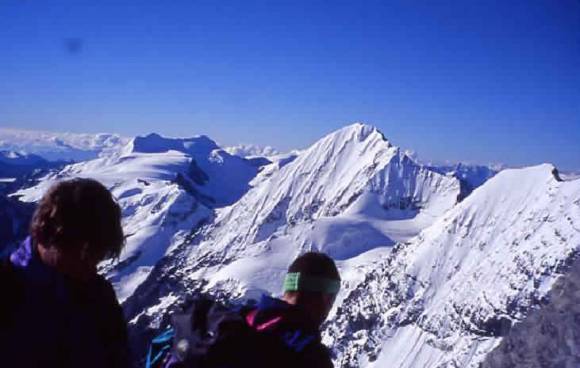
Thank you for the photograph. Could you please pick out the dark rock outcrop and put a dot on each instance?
(550, 335)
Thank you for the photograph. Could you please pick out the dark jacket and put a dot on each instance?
(275, 334)
(48, 320)
(288, 324)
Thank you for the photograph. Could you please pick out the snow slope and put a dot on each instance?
(166, 189)
(59, 146)
(446, 298)
(352, 194)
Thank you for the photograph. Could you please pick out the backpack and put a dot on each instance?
(208, 334)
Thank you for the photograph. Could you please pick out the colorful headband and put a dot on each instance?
(298, 282)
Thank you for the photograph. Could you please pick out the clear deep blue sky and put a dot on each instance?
(482, 81)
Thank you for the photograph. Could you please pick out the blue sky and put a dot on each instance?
(481, 81)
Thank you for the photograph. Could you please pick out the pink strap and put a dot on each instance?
(251, 317)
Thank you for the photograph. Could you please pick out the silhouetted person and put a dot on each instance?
(277, 333)
(55, 310)
(310, 288)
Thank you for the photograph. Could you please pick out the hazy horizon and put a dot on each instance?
(408, 150)
(487, 81)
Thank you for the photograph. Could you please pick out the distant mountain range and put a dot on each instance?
(59, 146)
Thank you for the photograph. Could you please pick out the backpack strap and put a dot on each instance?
(159, 349)
(251, 318)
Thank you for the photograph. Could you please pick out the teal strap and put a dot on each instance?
(298, 282)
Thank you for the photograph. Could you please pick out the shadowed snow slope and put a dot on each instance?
(17, 164)
(350, 193)
(447, 297)
(20, 159)
(166, 188)
(471, 176)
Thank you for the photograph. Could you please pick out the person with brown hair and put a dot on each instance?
(56, 310)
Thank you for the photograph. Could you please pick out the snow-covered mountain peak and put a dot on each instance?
(357, 132)
(350, 193)
(154, 143)
(329, 177)
(334, 169)
(166, 187)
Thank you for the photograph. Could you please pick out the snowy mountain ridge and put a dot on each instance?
(448, 296)
(345, 172)
(166, 188)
